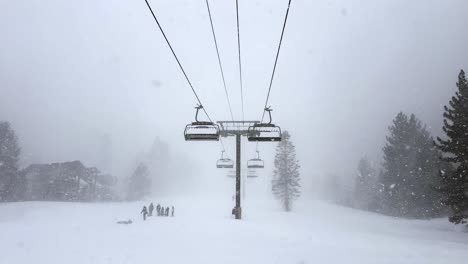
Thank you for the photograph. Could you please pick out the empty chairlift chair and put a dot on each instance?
(256, 163)
(264, 132)
(252, 174)
(201, 130)
(224, 163)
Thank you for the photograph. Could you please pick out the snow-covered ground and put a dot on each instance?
(203, 232)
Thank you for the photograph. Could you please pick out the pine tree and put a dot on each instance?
(455, 152)
(139, 184)
(286, 178)
(12, 183)
(426, 201)
(410, 170)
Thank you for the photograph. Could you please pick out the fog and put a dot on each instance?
(75, 73)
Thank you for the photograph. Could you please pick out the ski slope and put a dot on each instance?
(203, 232)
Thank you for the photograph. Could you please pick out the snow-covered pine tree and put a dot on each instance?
(286, 178)
(455, 150)
(426, 201)
(395, 167)
(12, 182)
(410, 170)
(139, 184)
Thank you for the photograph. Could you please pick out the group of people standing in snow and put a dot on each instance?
(160, 211)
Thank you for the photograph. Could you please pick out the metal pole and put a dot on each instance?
(243, 184)
(244, 177)
(238, 209)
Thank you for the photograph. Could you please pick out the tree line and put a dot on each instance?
(420, 177)
(71, 181)
(65, 181)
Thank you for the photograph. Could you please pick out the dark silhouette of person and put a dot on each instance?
(158, 209)
(144, 212)
(151, 208)
(125, 222)
(172, 212)
(167, 211)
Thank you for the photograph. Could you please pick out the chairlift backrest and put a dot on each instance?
(252, 175)
(201, 130)
(224, 163)
(264, 132)
(255, 164)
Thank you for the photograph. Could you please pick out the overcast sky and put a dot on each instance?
(72, 72)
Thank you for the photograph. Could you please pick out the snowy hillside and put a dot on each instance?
(202, 232)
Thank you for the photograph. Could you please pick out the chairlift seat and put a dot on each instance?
(264, 132)
(255, 164)
(201, 131)
(252, 175)
(224, 164)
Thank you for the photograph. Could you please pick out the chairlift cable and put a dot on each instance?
(220, 69)
(219, 60)
(276, 60)
(177, 59)
(240, 62)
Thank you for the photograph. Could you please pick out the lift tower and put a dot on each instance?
(255, 131)
(237, 129)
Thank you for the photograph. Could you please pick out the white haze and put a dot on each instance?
(72, 72)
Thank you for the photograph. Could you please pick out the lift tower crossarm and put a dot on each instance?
(233, 128)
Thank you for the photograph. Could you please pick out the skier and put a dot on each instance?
(151, 208)
(172, 212)
(167, 211)
(158, 210)
(144, 212)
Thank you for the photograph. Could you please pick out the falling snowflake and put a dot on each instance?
(392, 186)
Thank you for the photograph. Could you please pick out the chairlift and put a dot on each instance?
(201, 130)
(224, 163)
(252, 174)
(264, 132)
(256, 163)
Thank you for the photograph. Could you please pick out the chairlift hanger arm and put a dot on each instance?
(198, 107)
(268, 109)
